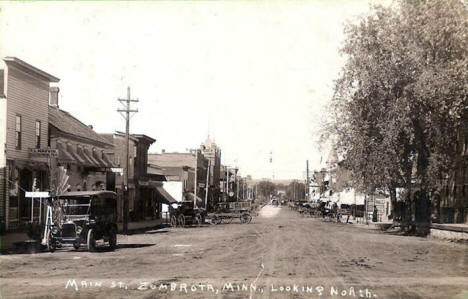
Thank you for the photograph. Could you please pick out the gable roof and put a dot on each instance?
(68, 124)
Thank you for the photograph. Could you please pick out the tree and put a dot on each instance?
(266, 188)
(402, 95)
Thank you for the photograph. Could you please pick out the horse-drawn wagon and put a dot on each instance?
(227, 211)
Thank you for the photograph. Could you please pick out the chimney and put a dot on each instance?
(53, 100)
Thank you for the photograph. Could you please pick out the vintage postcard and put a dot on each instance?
(234, 149)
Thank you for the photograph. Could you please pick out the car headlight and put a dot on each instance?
(79, 229)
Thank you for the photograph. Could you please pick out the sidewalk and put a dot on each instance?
(450, 231)
(141, 225)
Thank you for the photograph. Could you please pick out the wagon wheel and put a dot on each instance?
(198, 220)
(215, 220)
(181, 220)
(245, 218)
(227, 219)
(173, 221)
(91, 241)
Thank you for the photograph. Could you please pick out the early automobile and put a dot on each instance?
(186, 213)
(82, 218)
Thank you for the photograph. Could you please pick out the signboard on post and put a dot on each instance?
(37, 194)
(117, 170)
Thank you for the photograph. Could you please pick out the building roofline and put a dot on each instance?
(143, 136)
(18, 62)
(122, 134)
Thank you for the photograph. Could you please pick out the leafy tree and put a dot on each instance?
(402, 95)
(266, 188)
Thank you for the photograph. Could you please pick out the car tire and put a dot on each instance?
(51, 242)
(91, 241)
(112, 239)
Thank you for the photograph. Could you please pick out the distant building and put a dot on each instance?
(143, 183)
(181, 167)
(212, 153)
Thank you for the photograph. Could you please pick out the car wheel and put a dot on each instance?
(181, 220)
(51, 242)
(91, 241)
(112, 239)
(76, 245)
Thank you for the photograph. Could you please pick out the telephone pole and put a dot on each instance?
(307, 182)
(126, 115)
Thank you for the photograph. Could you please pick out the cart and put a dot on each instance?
(186, 213)
(225, 212)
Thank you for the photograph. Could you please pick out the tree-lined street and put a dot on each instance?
(294, 251)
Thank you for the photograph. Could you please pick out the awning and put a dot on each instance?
(63, 154)
(164, 197)
(100, 160)
(91, 158)
(107, 160)
(75, 155)
(190, 196)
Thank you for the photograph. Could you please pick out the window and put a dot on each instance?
(18, 132)
(38, 134)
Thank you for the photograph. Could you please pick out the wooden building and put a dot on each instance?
(24, 154)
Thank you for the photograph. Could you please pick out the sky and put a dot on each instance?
(256, 77)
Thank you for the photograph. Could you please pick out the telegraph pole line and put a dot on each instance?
(126, 115)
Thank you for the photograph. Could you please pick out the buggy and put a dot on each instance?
(186, 213)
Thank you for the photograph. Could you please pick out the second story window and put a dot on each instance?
(38, 134)
(18, 132)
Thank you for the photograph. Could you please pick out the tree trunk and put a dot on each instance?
(422, 201)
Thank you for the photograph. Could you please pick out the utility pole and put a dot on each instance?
(307, 182)
(126, 115)
(196, 174)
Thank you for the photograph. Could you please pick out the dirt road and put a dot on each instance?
(278, 255)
